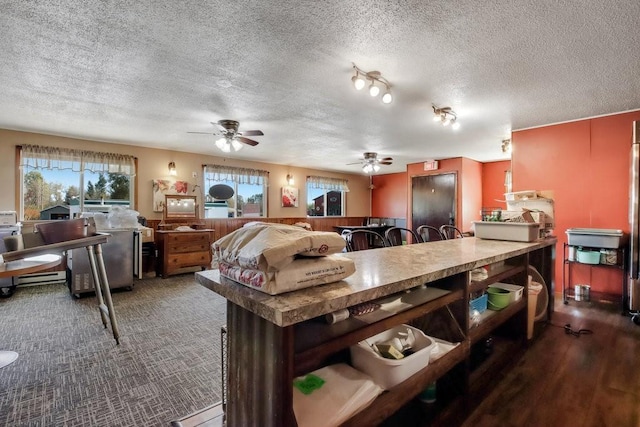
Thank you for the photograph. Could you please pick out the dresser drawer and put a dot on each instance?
(187, 237)
(181, 247)
(190, 259)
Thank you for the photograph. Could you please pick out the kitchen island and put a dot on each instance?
(273, 339)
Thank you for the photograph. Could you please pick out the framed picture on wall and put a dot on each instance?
(289, 197)
(162, 187)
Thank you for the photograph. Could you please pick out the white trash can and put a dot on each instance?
(534, 289)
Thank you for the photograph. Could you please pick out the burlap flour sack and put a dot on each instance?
(271, 247)
(301, 273)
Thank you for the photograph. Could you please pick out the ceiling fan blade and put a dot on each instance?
(221, 128)
(247, 141)
(204, 133)
(251, 133)
(386, 159)
(355, 163)
(384, 163)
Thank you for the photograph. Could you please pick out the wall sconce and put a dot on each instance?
(376, 79)
(506, 146)
(172, 169)
(290, 180)
(446, 116)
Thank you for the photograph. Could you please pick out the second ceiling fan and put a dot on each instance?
(231, 138)
(371, 163)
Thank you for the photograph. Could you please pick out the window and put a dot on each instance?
(325, 196)
(235, 192)
(58, 183)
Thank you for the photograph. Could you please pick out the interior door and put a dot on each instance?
(433, 200)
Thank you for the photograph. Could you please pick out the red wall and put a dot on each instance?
(493, 183)
(389, 195)
(586, 166)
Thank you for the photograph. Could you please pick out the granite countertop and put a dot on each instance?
(379, 272)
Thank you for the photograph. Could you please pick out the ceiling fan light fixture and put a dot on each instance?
(221, 143)
(237, 145)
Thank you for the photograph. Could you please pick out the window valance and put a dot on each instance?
(329, 184)
(239, 175)
(41, 157)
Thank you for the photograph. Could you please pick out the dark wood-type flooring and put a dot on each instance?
(568, 380)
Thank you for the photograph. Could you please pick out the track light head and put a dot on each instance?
(373, 89)
(387, 98)
(358, 82)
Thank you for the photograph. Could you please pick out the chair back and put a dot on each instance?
(428, 233)
(450, 232)
(360, 240)
(396, 236)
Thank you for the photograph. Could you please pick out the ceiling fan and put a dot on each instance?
(230, 137)
(371, 163)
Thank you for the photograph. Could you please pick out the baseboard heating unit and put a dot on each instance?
(46, 278)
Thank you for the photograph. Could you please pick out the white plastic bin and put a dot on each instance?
(511, 231)
(388, 373)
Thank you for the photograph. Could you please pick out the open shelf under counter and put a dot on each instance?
(500, 273)
(389, 401)
(489, 320)
(315, 340)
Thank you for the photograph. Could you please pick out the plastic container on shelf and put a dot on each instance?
(595, 237)
(510, 231)
(498, 298)
(388, 373)
(515, 291)
(478, 304)
(588, 257)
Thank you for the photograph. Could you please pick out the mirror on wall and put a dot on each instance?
(180, 207)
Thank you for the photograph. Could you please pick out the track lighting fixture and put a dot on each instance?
(227, 142)
(506, 146)
(446, 116)
(172, 169)
(376, 79)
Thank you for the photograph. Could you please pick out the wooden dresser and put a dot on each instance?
(181, 249)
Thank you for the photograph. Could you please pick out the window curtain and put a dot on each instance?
(239, 175)
(40, 157)
(328, 184)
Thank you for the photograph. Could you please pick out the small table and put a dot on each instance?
(93, 244)
(16, 268)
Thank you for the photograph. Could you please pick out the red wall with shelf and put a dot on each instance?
(586, 165)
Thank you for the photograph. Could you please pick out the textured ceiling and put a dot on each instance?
(146, 72)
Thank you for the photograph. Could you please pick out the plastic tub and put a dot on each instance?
(588, 257)
(498, 298)
(388, 373)
(511, 231)
(595, 237)
(515, 291)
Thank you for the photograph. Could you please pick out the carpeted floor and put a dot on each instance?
(71, 373)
